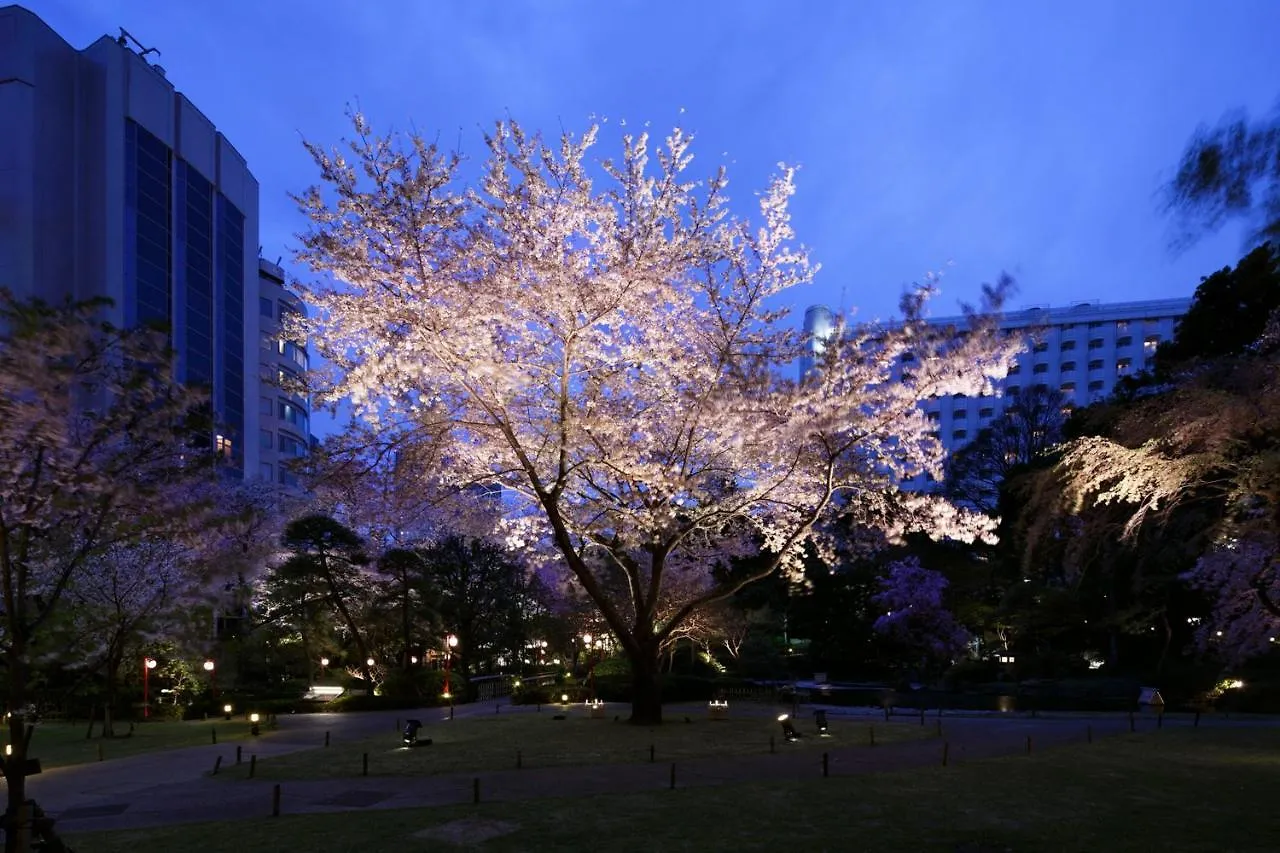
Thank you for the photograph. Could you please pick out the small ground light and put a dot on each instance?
(820, 720)
(226, 711)
(411, 731)
(253, 724)
(788, 729)
(564, 698)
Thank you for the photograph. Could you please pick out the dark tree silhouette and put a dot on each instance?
(1229, 171)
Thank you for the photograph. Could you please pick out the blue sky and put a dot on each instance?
(1027, 136)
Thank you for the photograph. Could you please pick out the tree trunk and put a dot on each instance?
(646, 686)
(17, 835)
(109, 700)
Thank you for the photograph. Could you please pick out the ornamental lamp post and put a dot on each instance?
(451, 643)
(148, 664)
(209, 667)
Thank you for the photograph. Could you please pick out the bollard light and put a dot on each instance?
(789, 732)
(253, 724)
(564, 698)
(820, 719)
(226, 711)
(411, 732)
(324, 661)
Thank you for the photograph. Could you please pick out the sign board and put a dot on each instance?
(1151, 696)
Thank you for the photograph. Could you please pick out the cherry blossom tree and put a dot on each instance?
(601, 342)
(1241, 578)
(94, 452)
(915, 616)
(127, 594)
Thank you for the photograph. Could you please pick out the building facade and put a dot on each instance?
(284, 422)
(1081, 350)
(112, 183)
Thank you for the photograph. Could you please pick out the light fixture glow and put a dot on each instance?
(370, 662)
(208, 666)
(151, 663)
(324, 661)
(254, 718)
(226, 709)
(452, 641)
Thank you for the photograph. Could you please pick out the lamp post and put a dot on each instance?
(324, 668)
(450, 643)
(209, 667)
(148, 664)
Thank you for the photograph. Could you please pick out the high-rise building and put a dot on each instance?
(284, 410)
(112, 183)
(1081, 350)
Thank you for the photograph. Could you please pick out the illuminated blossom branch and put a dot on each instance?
(597, 341)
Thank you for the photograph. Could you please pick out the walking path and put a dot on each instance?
(171, 787)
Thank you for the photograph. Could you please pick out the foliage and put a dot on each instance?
(1229, 313)
(1030, 425)
(914, 614)
(1229, 171)
(97, 449)
(606, 357)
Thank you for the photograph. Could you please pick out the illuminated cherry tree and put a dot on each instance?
(600, 340)
(914, 614)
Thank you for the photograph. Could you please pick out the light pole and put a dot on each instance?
(450, 643)
(324, 668)
(148, 664)
(209, 667)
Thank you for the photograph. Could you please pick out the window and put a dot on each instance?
(1096, 343)
(266, 408)
(291, 413)
(1122, 325)
(1041, 387)
(960, 414)
(1126, 341)
(222, 446)
(291, 446)
(266, 439)
(908, 357)
(1150, 343)
(1040, 346)
(1123, 367)
(986, 412)
(1013, 390)
(1068, 367)
(1095, 386)
(1067, 326)
(1015, 370)
(264, 306)
(959, 435)
(1096, 364)
(288, 478)
(266, 471)
(1095, 325)
(1040, 368)
(1065, 346)
(932, 417)
(1067, 387)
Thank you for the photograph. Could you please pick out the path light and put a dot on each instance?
(820, 719)
(411, 732)
(788, 729)
(564, 698)
(148, 664)
(324, 661)
(226, 711)
(413, 659)
(208, 666)
(370, 662)
(253, 724)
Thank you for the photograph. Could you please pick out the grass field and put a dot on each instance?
(1188, 790)
(492, 742)
(60, 744)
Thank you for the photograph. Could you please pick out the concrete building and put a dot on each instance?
(1081, 350)
(112, 183)
(284, 424)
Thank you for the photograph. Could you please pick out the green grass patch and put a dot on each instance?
(61, 744)
(492, 742)
(1188, 790)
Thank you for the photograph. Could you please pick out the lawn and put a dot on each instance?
(1191, 790)
(60, 744)
(492, 743)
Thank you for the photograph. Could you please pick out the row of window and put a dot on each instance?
(267, 308)
(285, 443)
(266, 471)
(1124, 366)
(1149, 344)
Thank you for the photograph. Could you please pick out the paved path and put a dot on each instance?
(171, 787)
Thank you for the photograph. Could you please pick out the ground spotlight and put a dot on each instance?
(788, 729)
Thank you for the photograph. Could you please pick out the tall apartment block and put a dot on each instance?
(112, 183)
(1081, 350)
